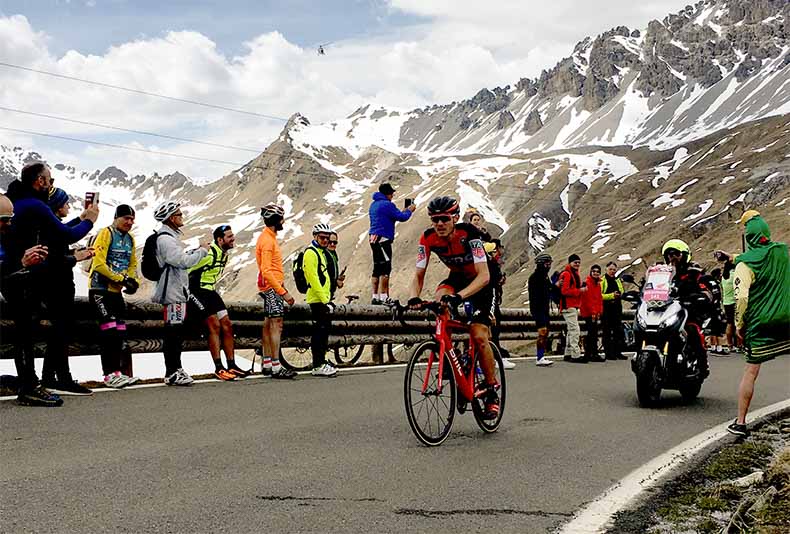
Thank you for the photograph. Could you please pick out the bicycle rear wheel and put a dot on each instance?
(430, 414)
(348, 355)
(491, 425)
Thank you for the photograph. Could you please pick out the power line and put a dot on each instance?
(134, 149)
(118, 128)
(140, 92)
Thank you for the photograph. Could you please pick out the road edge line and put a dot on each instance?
(597, 515)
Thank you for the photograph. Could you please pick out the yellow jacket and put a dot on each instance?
(314, 272)
(114, 258)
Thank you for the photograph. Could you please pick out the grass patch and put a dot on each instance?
(776, 514)
(707, 526)
(737, 461)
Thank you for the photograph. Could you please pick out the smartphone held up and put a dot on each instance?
(91, 197)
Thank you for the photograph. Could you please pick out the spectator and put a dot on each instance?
(591, 310)
(718, 324)
(336, 277)
(476, 220)
(318, 297)
(570, 299)
(495, 252)
(8, 272)
(35, 228)
(612, 319)
(270, 288)
(728, 296)
(762, 307)
(539, 288)
(172, 288)
(59, 273)
(206, 306)
(114, 269)
(383, 216)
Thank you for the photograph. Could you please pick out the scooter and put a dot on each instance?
(664, 357)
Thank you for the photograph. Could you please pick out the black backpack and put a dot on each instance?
(149, 266)
(554, 293)
(298, 270)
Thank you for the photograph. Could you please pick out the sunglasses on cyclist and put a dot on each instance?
(5, 219)
(333, 242)
(440, 218)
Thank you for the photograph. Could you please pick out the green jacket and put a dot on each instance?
(317, 292)
(207, 272)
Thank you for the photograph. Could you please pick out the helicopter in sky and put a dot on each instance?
(321, 49)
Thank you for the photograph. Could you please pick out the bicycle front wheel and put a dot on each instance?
(348, 355)
(491, 425)
(297, 359)
(431, 413)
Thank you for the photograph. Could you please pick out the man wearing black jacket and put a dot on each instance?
(539, 288)
(35, 224)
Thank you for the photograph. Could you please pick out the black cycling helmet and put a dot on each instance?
(443, 206)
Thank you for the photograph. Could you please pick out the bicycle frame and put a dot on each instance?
(444, 327)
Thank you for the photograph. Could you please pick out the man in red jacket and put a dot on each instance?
(571, 292)
(591, 310)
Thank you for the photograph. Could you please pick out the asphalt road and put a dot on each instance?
(320, 455)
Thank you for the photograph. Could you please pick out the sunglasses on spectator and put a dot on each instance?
(332, 242)
(6, 218)
(440, 218)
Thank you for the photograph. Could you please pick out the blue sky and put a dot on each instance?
(91, 26)
(260, 55)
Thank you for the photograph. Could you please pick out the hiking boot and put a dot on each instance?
(116, 380)
(325, 370)
(543, 362)
(738, 430)
(507, 364)
(39, 397)
(65, 387)
(284, 374)
(224, 374)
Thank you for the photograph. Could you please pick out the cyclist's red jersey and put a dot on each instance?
(460, 251)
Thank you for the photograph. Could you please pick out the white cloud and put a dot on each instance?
(463, 46)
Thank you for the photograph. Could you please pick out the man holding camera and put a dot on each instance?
(383, 215)
(114, 268)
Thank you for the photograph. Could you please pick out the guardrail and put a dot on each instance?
(351, 325)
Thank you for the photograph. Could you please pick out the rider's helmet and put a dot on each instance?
(679, 246)
(443, 206)
(272, 214)
(543, 259)
(322, 228)
(165, 210)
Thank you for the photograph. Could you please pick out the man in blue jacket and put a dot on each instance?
(383, 216)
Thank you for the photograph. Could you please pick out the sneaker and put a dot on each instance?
(284, 373)
(266, 371)
(179, 378)
(132, 380)
(240, 373)
(738, 430)
(39, 397)
(224, 374)
(69, 388)
(325, 370)
(507, 364)
(725, 350)
(375, 302)
(543, 362)
(116, 380)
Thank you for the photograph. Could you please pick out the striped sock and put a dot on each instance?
(276, 366)
(267, 362)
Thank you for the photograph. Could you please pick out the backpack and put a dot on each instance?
(149, 266)
(298, 271)
(87, 265)
(554, 293)
(196, 276)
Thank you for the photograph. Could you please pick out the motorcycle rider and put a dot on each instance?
(696, 298)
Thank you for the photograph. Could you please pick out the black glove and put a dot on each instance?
(414, 302)
(453, 300)
(130, 286)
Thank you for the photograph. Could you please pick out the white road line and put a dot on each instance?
(595, 517)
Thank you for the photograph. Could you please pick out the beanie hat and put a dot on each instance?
(56, 198)
(573, 257)
(123, 210)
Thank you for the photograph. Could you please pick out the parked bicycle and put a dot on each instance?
(440, 381)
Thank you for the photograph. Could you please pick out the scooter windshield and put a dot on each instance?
(658, 283)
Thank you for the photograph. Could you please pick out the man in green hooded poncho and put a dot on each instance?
(762, 306)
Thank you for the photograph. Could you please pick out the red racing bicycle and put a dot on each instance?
(440, 381)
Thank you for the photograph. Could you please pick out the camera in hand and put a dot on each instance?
(91, 197)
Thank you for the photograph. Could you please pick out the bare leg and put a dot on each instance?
(226, 328)
(275, 333)
(213, 339)
(374, 280)
(266, 339)
(746, 390)
(384, 283)
(480, 335)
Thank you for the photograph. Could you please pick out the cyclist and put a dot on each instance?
(460, 248)
(696, 297)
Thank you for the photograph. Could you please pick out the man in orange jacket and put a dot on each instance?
(571, 292)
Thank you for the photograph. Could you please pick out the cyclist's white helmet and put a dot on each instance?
(165, 210)
(322, 228)
(272, 209)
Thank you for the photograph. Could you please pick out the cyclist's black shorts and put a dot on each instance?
(482, 302)
(203, 303)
